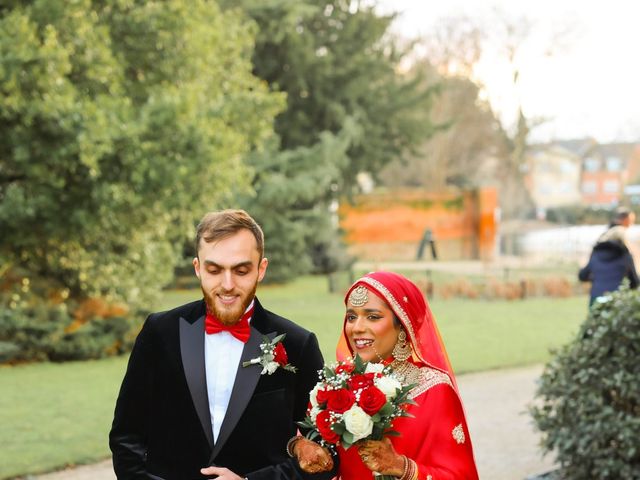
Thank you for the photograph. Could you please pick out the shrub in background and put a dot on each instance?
(589, 394)
(38, 321)
(580, 215)
(491, 288)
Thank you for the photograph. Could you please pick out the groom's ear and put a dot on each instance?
(262, 268)
(196, 266)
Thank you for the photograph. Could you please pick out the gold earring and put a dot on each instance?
(402, 349)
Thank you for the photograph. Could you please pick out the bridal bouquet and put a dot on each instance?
(354, 401)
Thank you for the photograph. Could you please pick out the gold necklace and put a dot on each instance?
(407, 372)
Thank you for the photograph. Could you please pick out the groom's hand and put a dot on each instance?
(222, 473)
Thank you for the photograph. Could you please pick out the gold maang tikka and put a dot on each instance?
(359, 296)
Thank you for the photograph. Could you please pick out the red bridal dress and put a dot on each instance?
(436, 438)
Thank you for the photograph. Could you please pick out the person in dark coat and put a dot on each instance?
(610, 260)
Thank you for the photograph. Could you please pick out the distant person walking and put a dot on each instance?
(610, 260)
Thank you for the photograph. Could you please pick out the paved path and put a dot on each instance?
(504, 439)
(503, 436)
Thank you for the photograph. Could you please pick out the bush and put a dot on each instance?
(589, 409)
(491, 288)
(41, 323)
(579, 215)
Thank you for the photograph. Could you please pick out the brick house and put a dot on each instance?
(582, 171)
(606, 169)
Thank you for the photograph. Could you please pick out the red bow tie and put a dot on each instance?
(239, 330)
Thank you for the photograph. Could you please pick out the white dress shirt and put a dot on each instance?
(222, 352)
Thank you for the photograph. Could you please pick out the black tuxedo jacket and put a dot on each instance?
(162, 427)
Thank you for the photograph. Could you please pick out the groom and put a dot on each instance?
(188, 408)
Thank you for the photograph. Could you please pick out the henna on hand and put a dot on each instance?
(380, 456)
(312, 457)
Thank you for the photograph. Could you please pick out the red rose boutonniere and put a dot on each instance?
(273, 356)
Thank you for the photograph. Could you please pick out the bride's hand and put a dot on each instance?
(380, 456)
(312, 457)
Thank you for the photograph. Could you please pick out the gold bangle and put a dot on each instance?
(405, 467)
(415, 470)
(291, 443)
(412, 471)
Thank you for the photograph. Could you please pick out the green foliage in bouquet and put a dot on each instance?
(589, 409)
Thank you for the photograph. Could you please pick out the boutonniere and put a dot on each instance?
(273, 356)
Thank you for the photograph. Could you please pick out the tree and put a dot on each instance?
(456, 47)
(291, 201)
(340, 70)
(464, 149)
(121, 123)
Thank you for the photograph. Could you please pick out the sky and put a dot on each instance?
(589, 86)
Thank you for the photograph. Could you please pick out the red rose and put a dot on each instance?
(323, 423)
(371, 400)
(322, 396)
(340, 400)
(345, 367)
(280, 355)
(361, 381)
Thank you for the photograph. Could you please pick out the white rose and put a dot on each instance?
(358, 423)
(374, 368)
(388, 386)
(270, 368)
(313, 394)
(314, 413)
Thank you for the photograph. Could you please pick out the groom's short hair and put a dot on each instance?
(215, 226)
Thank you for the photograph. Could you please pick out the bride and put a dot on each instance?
(388, 320)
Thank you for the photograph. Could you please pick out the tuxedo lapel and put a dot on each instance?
(243, 387)
(192, 351)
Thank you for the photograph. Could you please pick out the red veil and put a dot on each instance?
(410, 307)
(436, 438)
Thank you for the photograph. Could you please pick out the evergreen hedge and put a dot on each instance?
(589, 394)
(40, 322)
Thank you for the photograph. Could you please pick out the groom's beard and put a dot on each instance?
(229, 315)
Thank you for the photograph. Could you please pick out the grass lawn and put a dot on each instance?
(482, 335)
(54, 415)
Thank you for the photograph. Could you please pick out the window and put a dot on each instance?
(589, 187)
(567, 167)
(611, 186)
(544, 189)
(591, 164)
(614, 164)
(564, 187)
